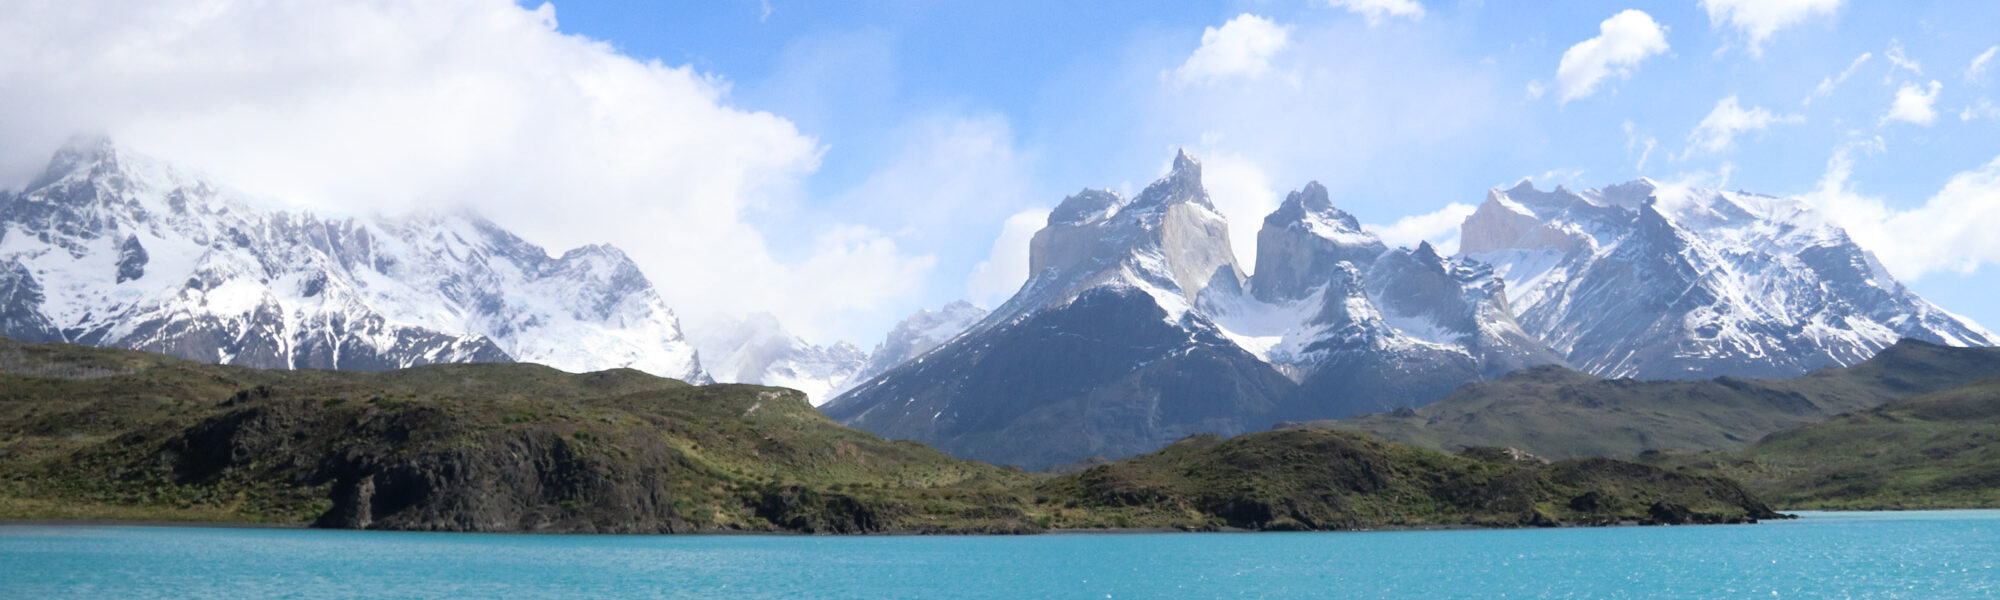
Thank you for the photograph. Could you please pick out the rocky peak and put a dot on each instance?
(1629, 194)
(1304, 238)
(1086, 206)
(1181, 185)
(95, 152)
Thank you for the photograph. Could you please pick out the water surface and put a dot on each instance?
(1940, 554)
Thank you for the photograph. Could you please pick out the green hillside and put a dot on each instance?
(1559, 413)
(91, 433)
(1938, 450)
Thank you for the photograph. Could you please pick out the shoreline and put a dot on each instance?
(85, 523)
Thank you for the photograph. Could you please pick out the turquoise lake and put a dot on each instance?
(1931, 555)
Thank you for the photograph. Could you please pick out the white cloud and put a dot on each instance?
(1243, 192)
(1976, 72)
(1717, 132)
(1951, 231)
(1898, 60)
(1915, 104)
(1623, 41)
(1006, 268)
(1335, 119)
(1440, 228)
(1826, 85)
(1378, 12)
(355, 107)
(1756, 20)
(1241, 48)
(1536, 89)
(1983, 108)
(1643, 144)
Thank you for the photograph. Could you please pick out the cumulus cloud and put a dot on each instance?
(1717, 132)
(1241, 48)
(1756, 20)
(1915, 104)
(1976, 72)
(1951, 231)
(1827, 85)
(1006, 268)
(1622, 42)
(1439, 227)
(394, 104)
(1378, 12)
(1244, 193)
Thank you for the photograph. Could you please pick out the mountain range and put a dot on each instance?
(111, 247)
(1138, 327)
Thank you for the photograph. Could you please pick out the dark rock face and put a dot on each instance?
(1024, 393)
(19, 295)
(131, 260)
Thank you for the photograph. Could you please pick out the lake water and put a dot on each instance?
(1930, 555)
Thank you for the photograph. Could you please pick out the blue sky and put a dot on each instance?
(842, 164)
(1077, 94)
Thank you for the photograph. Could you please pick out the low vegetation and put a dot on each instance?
(1938, 450)
(1559, 413)
(89, 433)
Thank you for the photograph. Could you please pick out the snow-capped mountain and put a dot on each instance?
(110, 247)
(1363, 327)
(916, 335)
(1136, 328)
(759, 350)
(1657, 282)
(1101, 353)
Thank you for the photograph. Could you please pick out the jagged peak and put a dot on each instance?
(1181, 185)
(1183, 162)
(1428, 254)
(79, 151)
(1525, 185)
(1086, 206)
(1310, 209)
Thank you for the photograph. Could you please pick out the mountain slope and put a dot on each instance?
(112, 248)
(759, 350)
(1136, 328)
(1560, 413)
(1101, 353)
(1662, 282)
(1939, 450)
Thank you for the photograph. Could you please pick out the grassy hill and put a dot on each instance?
(91, 433)
(1316, 480)
(1938, 450)
(1559, 413)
